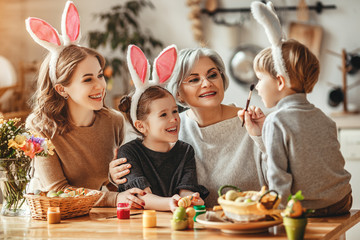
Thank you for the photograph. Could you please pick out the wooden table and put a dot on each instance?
(97, 225)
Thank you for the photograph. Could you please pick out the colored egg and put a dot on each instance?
(71, 193)
(190, 212)
(184, 202)
(69, 189)
(64, 195)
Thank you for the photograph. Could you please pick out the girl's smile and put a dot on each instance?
(161, 127)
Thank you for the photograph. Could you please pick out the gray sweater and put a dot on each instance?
(303, 153)
(224, 154)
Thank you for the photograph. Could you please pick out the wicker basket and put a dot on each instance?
(247, 211)
(69, 207)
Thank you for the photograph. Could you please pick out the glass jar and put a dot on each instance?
(123, 211)
(149, 218)
(199, 209)
(53, 215)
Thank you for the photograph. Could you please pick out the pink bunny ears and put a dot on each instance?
(139, 68)
(47, 36)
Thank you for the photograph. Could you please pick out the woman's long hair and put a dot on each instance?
(49, 108)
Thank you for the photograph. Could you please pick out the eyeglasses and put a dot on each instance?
(196, 80)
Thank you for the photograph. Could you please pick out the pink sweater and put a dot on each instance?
(82, 157)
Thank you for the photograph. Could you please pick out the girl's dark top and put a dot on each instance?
(165, 173)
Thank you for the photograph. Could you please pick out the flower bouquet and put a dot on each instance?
(18, 146)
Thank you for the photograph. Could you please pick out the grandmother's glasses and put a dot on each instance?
(197, 80)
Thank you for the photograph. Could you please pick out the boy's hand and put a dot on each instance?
(254, 120)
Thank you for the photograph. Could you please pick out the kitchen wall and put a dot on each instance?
(168, 22)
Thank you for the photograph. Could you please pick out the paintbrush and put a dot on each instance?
(248, 101)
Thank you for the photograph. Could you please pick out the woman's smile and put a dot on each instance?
(96, 97)
(208, 94)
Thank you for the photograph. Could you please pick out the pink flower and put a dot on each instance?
(31, 148)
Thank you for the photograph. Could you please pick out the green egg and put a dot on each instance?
(60, 192)
(52, 194)
(179, 214)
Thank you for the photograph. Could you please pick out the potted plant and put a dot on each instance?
(121, 28)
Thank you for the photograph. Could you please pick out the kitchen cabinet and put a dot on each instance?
(349, 138)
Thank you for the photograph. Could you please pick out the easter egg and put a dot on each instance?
(179, 224)
(231, 195)
(239, 199)
(52, 194)
(59, 192)
(179, 214)
(184, 202)
(69, 189)
(64, 195)
(71, 193)
(80, 191)
(190, 212)
(293, 209)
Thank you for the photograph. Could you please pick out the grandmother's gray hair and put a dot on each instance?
(187, 58)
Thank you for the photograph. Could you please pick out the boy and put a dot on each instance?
(300, 141)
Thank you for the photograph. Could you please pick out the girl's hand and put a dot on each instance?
(198, 200)
(118, 169)
(174, 202)
(254, 120)
(130, 196)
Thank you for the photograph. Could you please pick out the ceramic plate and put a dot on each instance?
(238, 227)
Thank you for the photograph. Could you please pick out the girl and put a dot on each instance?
(69, 109)
(161, 165)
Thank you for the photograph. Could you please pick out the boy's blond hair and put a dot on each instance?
(301, 64)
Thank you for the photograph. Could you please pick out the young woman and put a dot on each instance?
(69, 110)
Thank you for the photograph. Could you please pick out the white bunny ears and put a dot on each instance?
(266, 16)
(140, 72)
(47, 36)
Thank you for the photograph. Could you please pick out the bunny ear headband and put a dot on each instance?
(47, 36)
(140, 72)
(266, 16)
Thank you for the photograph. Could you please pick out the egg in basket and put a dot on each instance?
(246, 206)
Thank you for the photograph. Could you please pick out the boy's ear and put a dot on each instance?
(60, 90)
(281, 83)
(139, 125)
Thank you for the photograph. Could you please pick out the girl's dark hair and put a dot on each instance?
(143, 107)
